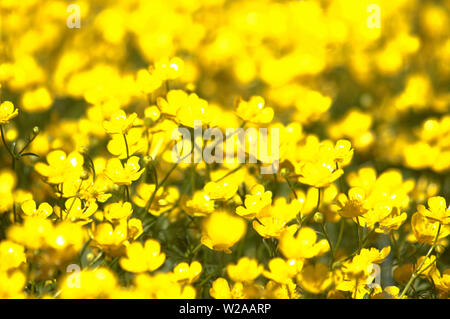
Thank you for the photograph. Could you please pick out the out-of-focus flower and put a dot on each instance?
(304, 245)
(12, 255)
(186, 273)
(119, 122)
(437, 211)
(29, 208)
(7, 112)
(254, 111)
(315, 278)
(143, 258)
(246, 270)
(123, 174)
(222, 230)
(61, 167)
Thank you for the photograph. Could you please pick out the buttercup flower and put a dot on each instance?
(123, 174)
(61, 166)
(12, 255)
(315, 278)
(222, 230)
(438, 210)
(29, 208)
(187, 273)
(119, 122)
(353, 205)
(246, 270)
(254, 110)
(303, 245)
(143, 258)
(7, 112)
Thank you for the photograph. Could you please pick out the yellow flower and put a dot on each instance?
(221, 290)
(254, 111)
(246, 270)
(123, 174)
(389, 292)
(315, 278)
(318, 174)
(164, 199)
(343, 152)
(113, 238)
(169, 69)
(135, 143)
(12, 255)
(429, 266)
(31, 233)
(222, 230)
(143, 258)
(119, 122)
(200, 204)
(152, 112)
(222, 190)
(119, 210)
(97, 283)
(442, 283)
(7, 112)
(61, 167)
(274, 220)
(162, 286)
(186, 273)
(425, 230)
(353, 205)
(75, 209)
(12, 285)
(29, 208)
(275, 290)
(383, 219)
(303, 245)
(281, 271)
(147, 81)
(38, 100)
(360, 266)
(66, 238)
(437, 211)
(184, 108)
(173, 102)
(374, 255)
(8, 182)
(256, 203)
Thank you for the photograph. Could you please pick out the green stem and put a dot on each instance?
(126, 145)
(358, 235)
(329, 243)
(417, 271)
(291, 188)
(13, 157)
(341, 233)
(28, 143)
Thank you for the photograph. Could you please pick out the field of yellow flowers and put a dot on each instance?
(98, 96)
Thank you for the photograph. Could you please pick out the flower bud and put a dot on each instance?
(318, 217)
(148, 122)
(84, 175)
(284, 172)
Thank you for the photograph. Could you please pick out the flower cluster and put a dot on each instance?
(92, 204)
